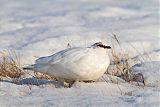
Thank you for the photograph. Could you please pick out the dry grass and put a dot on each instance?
(44, 76)
(10, 65)
(121, 64)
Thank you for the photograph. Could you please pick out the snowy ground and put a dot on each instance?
(36, 28)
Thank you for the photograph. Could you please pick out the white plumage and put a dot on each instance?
(75, 64)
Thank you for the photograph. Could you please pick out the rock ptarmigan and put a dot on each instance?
(75, 64)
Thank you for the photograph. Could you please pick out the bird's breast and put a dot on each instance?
(89, 67)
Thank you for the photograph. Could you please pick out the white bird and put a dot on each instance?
(75, 64)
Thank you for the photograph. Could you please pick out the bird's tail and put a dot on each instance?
(30, 67)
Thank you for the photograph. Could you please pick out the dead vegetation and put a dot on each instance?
(121, 64)
(10, 65)
(44, 76)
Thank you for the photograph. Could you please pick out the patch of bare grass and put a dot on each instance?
(10, 65)
(44, 76)
(121, 64)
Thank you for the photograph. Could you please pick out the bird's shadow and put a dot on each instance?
(34, 81)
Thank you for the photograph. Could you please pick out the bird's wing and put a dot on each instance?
(71, 54)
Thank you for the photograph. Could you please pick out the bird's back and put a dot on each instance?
(71, 53)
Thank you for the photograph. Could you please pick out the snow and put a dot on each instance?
(40, 28)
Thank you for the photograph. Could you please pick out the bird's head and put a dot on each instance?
(100, 45)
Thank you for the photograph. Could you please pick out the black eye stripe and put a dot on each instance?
(103, 46)
(100, 44)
